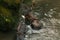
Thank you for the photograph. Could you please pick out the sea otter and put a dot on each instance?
(32, 20)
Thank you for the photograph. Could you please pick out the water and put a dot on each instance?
(50, 20)
(8, 36)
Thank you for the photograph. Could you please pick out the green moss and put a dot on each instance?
(10, 2)
(5, 11)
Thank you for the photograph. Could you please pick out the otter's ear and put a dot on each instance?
(23, 16)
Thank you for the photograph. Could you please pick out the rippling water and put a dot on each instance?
(51, 22)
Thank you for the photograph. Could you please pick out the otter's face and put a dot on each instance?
(36, 23)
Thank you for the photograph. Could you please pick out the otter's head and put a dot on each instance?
(36, 24)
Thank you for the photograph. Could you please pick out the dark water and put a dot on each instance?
(8, 35)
